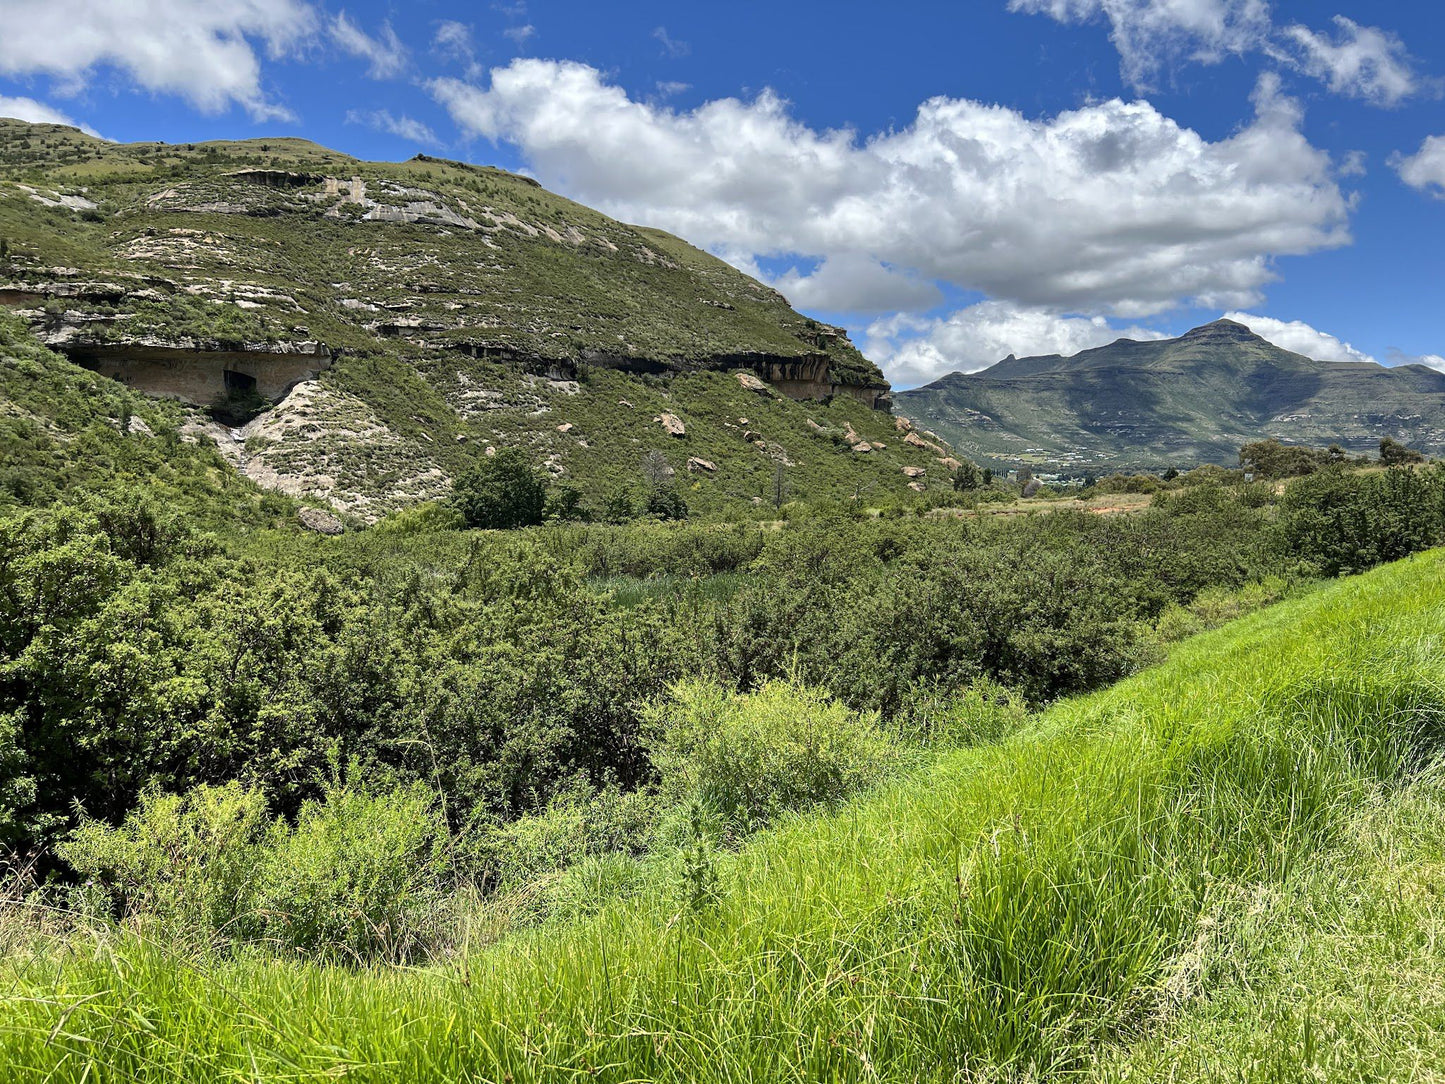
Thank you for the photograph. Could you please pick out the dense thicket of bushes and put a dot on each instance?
(519, 678)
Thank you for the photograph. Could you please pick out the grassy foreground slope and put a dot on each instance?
(1138, 864)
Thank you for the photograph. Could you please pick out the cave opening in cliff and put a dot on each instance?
(238, 381)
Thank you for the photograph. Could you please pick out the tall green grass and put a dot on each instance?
(1011, 912)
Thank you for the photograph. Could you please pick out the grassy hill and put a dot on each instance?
(398, 319)
(1194, 399)
(1226, 866)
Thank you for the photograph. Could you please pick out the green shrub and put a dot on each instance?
(500, 491)
(567, 860)
(1335, 522)
(574, 826)
(361, 875)
(665, 502)
(748, 757)
(187, 863)
(422, 519)
(944, 717)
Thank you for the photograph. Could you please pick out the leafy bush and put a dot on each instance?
(188, 863)
(943, 717)
(665, 502)
(423, 518)
(361, 875)
(579, 850)
(500, 491)
(1335, 522)
(747, 757)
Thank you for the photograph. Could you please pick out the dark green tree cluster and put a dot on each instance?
(1272, 460)
(510, 669)
(500, 491)
(1334, 523)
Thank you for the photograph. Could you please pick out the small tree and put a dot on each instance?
(564, 502)
(621, 506)
(500, 491)
(1394, 454)
(656, 470)
(665, 502)
(967, 477)
(780, 486)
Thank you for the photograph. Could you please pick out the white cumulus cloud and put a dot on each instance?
(1359, 61)
(385, 52)
(1152, 33)
(1112, 207)
(914, 350)
(1425, 169)
(857, 284)
(204, 52)
(1300, 337)
(29, 109)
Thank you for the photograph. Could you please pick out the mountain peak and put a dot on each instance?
(1221, 331)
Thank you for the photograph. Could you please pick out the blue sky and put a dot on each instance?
(952, 182)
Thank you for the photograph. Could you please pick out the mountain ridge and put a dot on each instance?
(392, 320)
(1191, 399)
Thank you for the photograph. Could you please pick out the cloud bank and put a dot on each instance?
(1109, 208)
(1363, 62)
(205, 53)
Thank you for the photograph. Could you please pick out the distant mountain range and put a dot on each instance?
(1184, 401)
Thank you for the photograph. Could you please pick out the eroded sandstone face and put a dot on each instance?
(197, 375)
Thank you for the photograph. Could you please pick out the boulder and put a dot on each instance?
(314, 519)
(902, 424)
(917, 486)
(752, 383)
(751, 437)
(949, 462)
(914, 472)
(695, 464)
(927, 445)
(862, 446)
(624, 403)
(566, 427)
(672, 424)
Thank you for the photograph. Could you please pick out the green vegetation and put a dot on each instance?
(500, 492)
(580, 769)
(1078, 897)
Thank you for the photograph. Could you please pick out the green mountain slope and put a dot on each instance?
(406, 316)
(1190, 400)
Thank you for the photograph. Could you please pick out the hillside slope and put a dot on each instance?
(1068, 897)
(406, 316)
(1184, 401)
